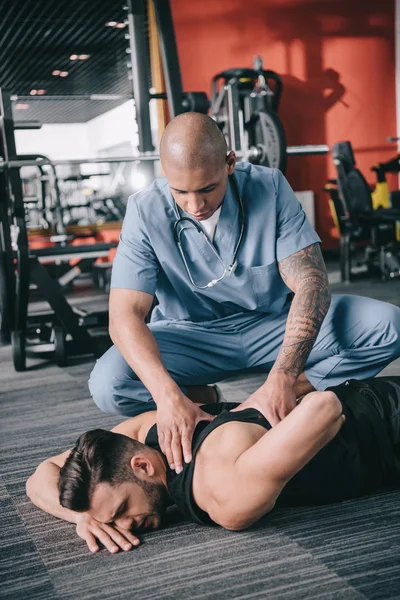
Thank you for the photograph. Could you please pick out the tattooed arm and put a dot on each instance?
(305, 274)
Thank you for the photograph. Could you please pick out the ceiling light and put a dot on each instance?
(83, 56)
(21, 106)
(64, 74)
(73, 57)
(56, 72)
(33, 92)
(111, 24)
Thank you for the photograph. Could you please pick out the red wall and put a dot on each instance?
(337, 62)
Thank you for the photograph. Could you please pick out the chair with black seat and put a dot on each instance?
(362, 221)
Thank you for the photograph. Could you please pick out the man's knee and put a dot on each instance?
(109, 382)
(396, 327)
(115, 392)
(102, 390)
(390, 322)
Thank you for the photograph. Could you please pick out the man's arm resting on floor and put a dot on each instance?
(42, 490)
(258, 476)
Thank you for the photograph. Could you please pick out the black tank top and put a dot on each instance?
(356, 462)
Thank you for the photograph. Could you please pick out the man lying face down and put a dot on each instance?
(335, 445)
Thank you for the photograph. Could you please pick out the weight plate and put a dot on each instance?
(60, 346)
(4, 317)
(196, 102)
(265, 132)
(18, 345)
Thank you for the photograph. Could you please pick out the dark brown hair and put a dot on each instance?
(98, 456)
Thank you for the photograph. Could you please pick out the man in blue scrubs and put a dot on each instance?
(241, 286)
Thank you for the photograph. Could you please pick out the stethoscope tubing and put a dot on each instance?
(177, 235)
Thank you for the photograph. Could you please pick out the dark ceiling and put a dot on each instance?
(39, 36)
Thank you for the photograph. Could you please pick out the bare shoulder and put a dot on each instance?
(137, 427)
(320, 396)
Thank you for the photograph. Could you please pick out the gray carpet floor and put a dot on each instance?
(349, 550)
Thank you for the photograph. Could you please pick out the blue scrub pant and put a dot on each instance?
(358, 338)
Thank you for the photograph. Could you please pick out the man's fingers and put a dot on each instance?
(208, 418)
(121, 538)
(129, 536)
(91, 542)
(273, 419)
(161, 440)
(177, 453)
(111, 537)
(281, 414)
(168, 451)
(284, 411)
(187, 446)
(105, 539)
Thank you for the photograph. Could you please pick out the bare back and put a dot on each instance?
(216, 458)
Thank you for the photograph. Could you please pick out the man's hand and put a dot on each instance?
(275, 399)
(110, 536)
(176, 421)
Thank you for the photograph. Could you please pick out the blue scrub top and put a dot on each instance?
(148, 259)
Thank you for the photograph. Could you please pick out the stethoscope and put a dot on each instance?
(177, 235)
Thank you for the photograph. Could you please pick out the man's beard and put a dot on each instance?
(158, 499)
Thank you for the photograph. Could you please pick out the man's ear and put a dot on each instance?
(231, 162)
(141, 465)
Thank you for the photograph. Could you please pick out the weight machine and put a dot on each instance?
(357, 221)
(22, 268)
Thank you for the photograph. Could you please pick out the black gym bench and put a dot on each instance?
(64, 320)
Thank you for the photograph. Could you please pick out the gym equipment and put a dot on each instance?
(382, 197)
(22, 267)
(264, 140)
(244, 105)
(7, 275)
(64, 321)
(350, 237)
(306, 150)
(351, 205)
(51, 209)
(178, 101)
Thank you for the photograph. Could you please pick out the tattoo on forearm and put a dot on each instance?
(305, 274)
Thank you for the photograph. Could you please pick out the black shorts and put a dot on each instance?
(384, 392)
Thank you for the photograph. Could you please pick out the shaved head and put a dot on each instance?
(194, 157)
(192, 141)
